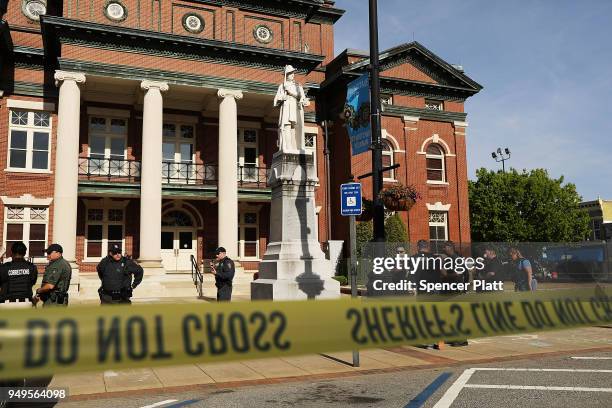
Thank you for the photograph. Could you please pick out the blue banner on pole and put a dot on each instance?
(357, 114)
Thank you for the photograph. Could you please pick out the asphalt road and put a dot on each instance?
(564, 382)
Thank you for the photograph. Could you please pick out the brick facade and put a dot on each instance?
(114, 66)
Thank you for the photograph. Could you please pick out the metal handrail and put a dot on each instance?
(197, 276)
(109, 168)
(172, 172)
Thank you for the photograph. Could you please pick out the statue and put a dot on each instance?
(291, 99)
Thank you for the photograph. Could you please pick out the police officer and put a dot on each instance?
(56, 279)
(17, 277)
(115, 272)
(224, 271)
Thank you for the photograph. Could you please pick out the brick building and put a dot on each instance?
(150, 124)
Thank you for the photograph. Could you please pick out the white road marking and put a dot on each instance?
(564, 370)
(159, 404)
(537, 387)
(592, 358)
(453, 391)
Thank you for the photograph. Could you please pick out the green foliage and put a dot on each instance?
(395, 229)
(365, 233)
(342, 279)
(525, 207)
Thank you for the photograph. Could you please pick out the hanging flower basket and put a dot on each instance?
(398, 205)
(399, 197)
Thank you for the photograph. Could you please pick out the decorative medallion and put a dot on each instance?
(263, 34)
(193, 23)
(32, 9)
(114, 10)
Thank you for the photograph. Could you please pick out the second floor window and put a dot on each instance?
(435, 163)
(107, 145)
(29, 140)
(388, 160)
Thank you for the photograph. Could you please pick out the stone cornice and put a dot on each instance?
(58, 30)
(423, 114)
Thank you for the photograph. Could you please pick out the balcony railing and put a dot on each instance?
(189, 173)
(106, 169)
(109, 169)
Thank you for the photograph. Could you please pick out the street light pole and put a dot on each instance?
(377, 173)
(501, 156)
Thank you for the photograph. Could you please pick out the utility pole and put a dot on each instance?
(375, 109)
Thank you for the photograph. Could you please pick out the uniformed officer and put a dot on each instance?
(224, 271)
(17, 277)
(115, 272)
(56, 280)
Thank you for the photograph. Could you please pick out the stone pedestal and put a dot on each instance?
(294, 266)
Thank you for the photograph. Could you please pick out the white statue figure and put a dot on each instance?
(291, 99)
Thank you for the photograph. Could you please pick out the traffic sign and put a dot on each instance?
(350, 198)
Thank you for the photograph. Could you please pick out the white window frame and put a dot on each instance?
(438, 224)
(390, 153)
(434, 104)
(242, 224)
(242, 145)
(108, 135)
(26, 221)
(30, 129)
(442, 157)
(313, 132)
(178, 140)
(105, 207)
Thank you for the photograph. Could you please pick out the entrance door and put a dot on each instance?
(177, 247)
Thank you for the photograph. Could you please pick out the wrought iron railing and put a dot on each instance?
(109, 168)
(188, 173)
(253, 176)
(172, 172)
(197, 276)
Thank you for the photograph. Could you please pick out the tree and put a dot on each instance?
(395, 229)
(525, 207)
(364, 234)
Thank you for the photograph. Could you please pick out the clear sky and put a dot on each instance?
(546, 68)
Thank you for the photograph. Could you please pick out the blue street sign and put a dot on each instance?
(350, 197)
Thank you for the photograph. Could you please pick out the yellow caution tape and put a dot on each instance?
(58, 340)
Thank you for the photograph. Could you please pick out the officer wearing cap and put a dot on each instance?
(56, 279)
(224, 271)
(115, 272)
(17, 277)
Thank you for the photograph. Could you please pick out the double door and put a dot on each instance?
(177, 247)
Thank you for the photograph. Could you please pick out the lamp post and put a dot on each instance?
(377, 177)
(501, 156)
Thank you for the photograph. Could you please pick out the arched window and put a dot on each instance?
(387, 158)
(435, 163)
(176, 218)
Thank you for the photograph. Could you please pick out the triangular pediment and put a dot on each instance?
(414, 62)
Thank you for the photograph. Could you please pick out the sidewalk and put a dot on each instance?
(87, 385)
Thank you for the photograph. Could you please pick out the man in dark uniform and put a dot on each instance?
(224, 271)
(115, 272)
(492, 271)
(56, 280)
(17, 277)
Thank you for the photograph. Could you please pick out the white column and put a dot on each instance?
(228, 171)
(65, 195)
(151, 176)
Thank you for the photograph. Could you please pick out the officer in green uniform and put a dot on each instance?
(56, 280)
